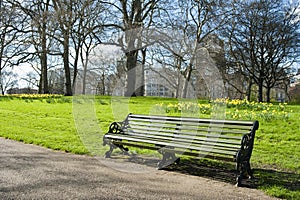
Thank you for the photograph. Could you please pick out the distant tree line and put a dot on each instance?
(255, 39)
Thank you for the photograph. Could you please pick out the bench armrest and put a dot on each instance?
(115, 127)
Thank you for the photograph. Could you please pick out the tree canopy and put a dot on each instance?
(257, 39)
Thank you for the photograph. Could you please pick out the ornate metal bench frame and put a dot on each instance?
(242, 157)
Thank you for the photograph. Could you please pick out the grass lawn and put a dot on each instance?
(57, 123)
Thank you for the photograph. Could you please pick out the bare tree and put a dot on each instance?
(12, 36)
(193, 21)
(41, 19)
(102, 64)
(31, 79)
(204, 18)
(86, 32)
(61, 28)
(128, 18)
(65, 18)
(265, 41)
(39, 14)
(80, 25)
(8, 80)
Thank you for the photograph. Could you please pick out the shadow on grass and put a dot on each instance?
(275, 183)
(280, 184)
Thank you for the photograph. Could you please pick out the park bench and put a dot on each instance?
(225, 140)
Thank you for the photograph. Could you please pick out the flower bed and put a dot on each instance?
(235, 109)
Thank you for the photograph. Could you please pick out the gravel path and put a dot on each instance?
(32, 172)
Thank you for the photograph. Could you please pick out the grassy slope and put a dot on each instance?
(277, 143)
(275, 157)
(41, 123)
(277, 150)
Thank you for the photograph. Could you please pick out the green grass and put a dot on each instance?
(56, 123)
(41, 123)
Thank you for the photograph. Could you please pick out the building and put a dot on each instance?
(22, 91)
(296, 79)
(156, 83)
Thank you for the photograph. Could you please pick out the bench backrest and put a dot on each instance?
(224, 135)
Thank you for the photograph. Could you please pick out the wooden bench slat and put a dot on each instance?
(200, 123)
(186, 136)
(195, 143)
(194, 139)
(190, 147)
(183, 152)
(188, 133)
(194, 120)
(207, 129)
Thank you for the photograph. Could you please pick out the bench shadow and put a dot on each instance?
(222, 172)
(225, 172)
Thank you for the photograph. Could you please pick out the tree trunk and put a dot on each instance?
(249, 89)
(141, 89)
(103, 83)
(85, 64)
(75, 70)
(68, 82)
(260, 90)
(1, 85)
(133, 21)
(178, 85)
(44, 68)
(268, 94)
(190, 67)
(178, 61)
(44, 64)
(65, 26)
(40, 90)
(131, 73)
(187, 80)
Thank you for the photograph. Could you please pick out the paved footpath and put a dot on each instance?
(32, 172)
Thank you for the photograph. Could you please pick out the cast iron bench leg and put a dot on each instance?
(168, 158)
(245, 169)
(114, 146)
